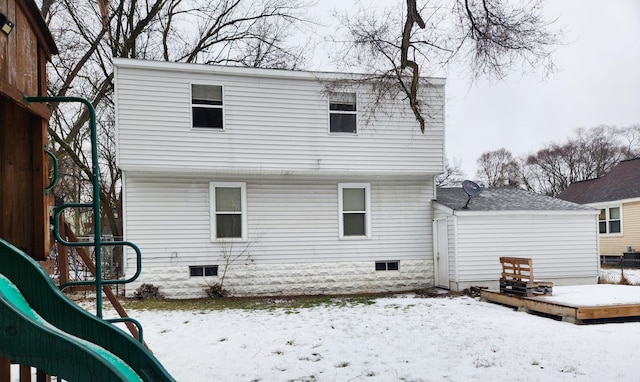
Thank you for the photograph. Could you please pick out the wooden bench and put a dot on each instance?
(517, 278)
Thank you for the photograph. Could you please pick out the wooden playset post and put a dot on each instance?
(26, 46)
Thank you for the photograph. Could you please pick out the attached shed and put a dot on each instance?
(561, 237)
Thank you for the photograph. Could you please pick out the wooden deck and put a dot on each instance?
(579, 313)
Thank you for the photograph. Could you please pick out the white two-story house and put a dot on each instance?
(278, 182)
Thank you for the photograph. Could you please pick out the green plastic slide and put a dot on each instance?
(41, 327)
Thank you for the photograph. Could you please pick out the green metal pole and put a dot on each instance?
(96, 188)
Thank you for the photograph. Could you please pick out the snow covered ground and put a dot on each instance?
(614, 275)
(406, 338)
(403, 338)
(395, 339)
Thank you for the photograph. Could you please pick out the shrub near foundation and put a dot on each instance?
(147, 291)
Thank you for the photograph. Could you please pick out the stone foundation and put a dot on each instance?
(290, 279)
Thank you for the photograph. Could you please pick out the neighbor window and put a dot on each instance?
(342, 113)
(228, 210)
(353, 200)
(206, 106)
(609, 220)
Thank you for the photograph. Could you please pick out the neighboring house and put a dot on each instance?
(617, 195)
(288, 181)
(561, 237)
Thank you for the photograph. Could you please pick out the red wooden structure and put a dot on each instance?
(26, 46)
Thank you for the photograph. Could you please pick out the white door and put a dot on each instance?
(442, 253)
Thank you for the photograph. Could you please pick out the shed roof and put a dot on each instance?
(504, 199)
(620, 183)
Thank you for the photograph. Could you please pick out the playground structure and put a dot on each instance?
(40, 326)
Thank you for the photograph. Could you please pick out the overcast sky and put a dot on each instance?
(597, 82)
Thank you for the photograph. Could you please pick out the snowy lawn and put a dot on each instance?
(614, 275)
(404, 338)
(395, 339)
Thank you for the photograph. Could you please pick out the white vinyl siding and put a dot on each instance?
(562, 245)
(275, 123)
(288, 221)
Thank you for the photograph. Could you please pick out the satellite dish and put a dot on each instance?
(472, 189)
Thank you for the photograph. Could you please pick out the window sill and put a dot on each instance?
(611, 234)
(223, 240)
(204, 128)
(355, 237)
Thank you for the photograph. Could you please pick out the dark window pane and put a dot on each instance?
(207, 117)
(342, 123)
(211, 271)
(342, 106)
(195, 271)
(603, 227)
(382, 266)
(354, 224)
(614, 226)
(228, 225)
(206, 102)
(392, 266)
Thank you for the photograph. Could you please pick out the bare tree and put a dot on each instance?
(90, 33)
(589, 154)
(497, 169)
(630, 140)
(490, 36)
(452, 175)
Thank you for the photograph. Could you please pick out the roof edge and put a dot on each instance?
(262, 72)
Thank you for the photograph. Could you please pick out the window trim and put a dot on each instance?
(213, 212)
(608, 220)
(354, 112)
(367, 212)
(221, 107)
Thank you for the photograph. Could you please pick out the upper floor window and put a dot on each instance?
(228, 204)
(609, 220)
(342, 113)
(206, 106)
(354, 205)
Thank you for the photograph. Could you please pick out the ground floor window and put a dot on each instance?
(228, 209)
(354, 206)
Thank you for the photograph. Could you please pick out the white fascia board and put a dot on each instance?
(442, 208)
(374, 174)
(257, 72)
(526, 212)
(613, 202)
